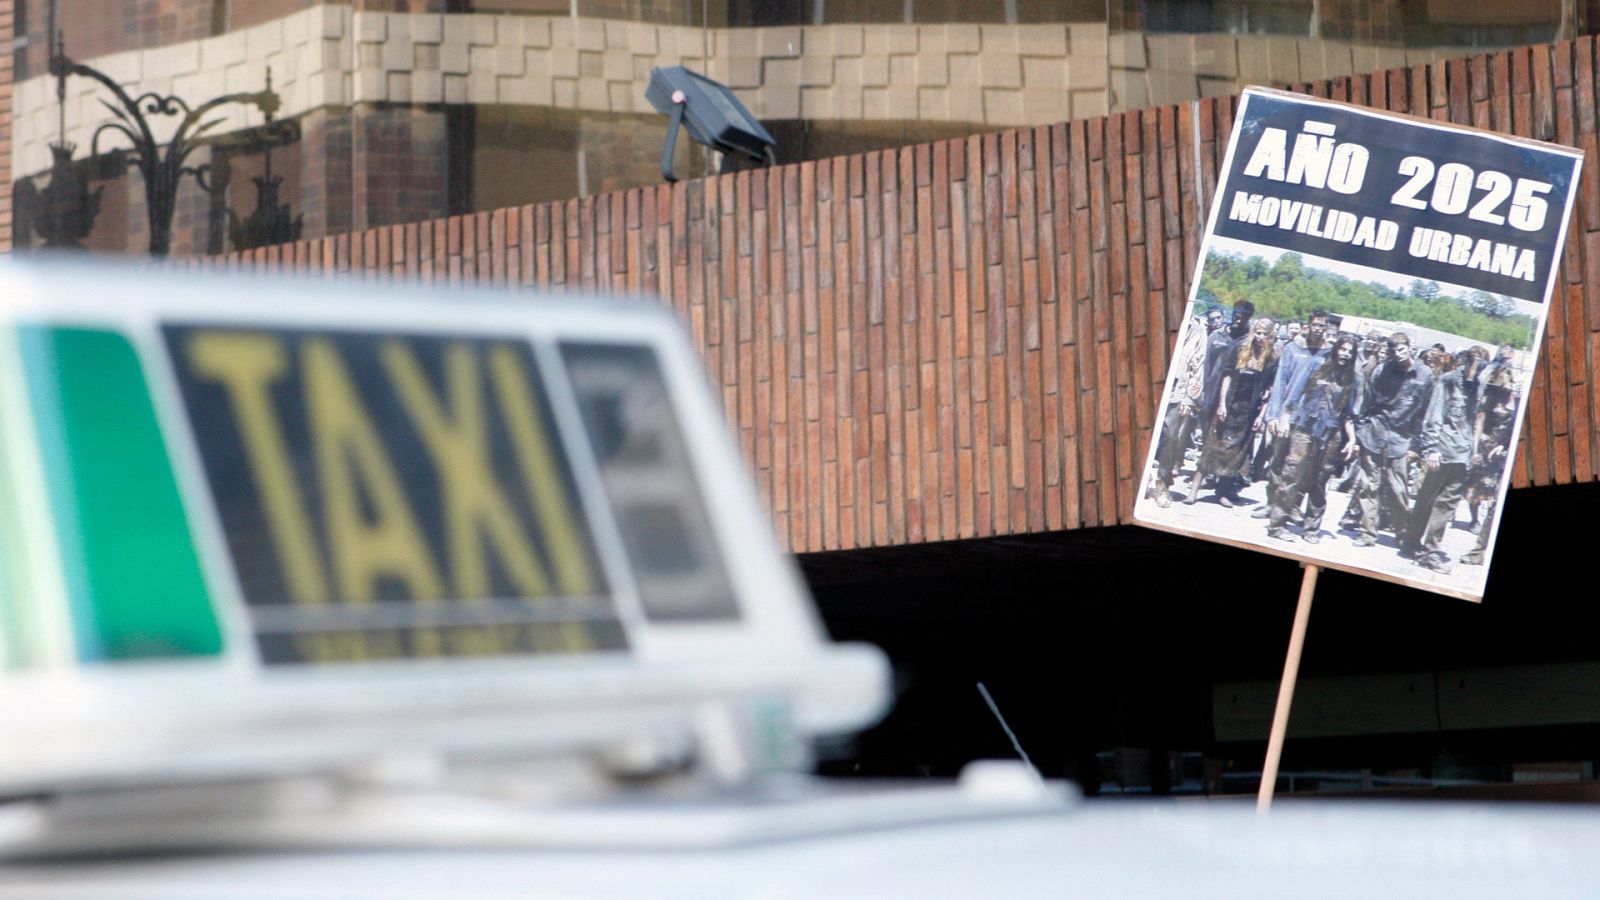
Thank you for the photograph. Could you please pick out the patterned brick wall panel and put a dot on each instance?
(968, 338)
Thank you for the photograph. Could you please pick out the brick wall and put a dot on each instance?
(400, 164)
(325, 172)
(94, 28)
(968, 337)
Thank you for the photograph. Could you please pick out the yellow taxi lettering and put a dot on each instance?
(332, 646)
(544, 638)
(576, 637)
(389, 644)
(246, 365)
(539, 471)
(347, 450)
(457, 442)
(425, 642)
(483, 641)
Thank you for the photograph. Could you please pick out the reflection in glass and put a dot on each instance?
(1171, 51)
(476, 105)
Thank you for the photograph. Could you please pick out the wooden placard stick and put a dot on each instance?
(1291, 671)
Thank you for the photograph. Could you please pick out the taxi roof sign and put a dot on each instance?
(256, 524)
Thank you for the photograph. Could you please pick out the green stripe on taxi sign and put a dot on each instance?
(133, 574)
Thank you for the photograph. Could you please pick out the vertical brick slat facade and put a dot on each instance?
(969, 338)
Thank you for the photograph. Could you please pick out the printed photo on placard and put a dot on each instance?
(1359, 341)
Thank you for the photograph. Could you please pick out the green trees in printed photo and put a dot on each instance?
(1289, 288)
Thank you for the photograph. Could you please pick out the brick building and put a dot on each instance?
(939, 327)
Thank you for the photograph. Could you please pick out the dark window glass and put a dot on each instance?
(654, 494)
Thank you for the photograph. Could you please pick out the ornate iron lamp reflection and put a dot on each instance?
(64, 212)
(270, 222)
(163, 170)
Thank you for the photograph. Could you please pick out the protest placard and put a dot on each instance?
(1366, 315)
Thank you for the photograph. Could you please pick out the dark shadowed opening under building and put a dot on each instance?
(1135, 662)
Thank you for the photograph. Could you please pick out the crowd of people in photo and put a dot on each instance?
(1306, 408)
